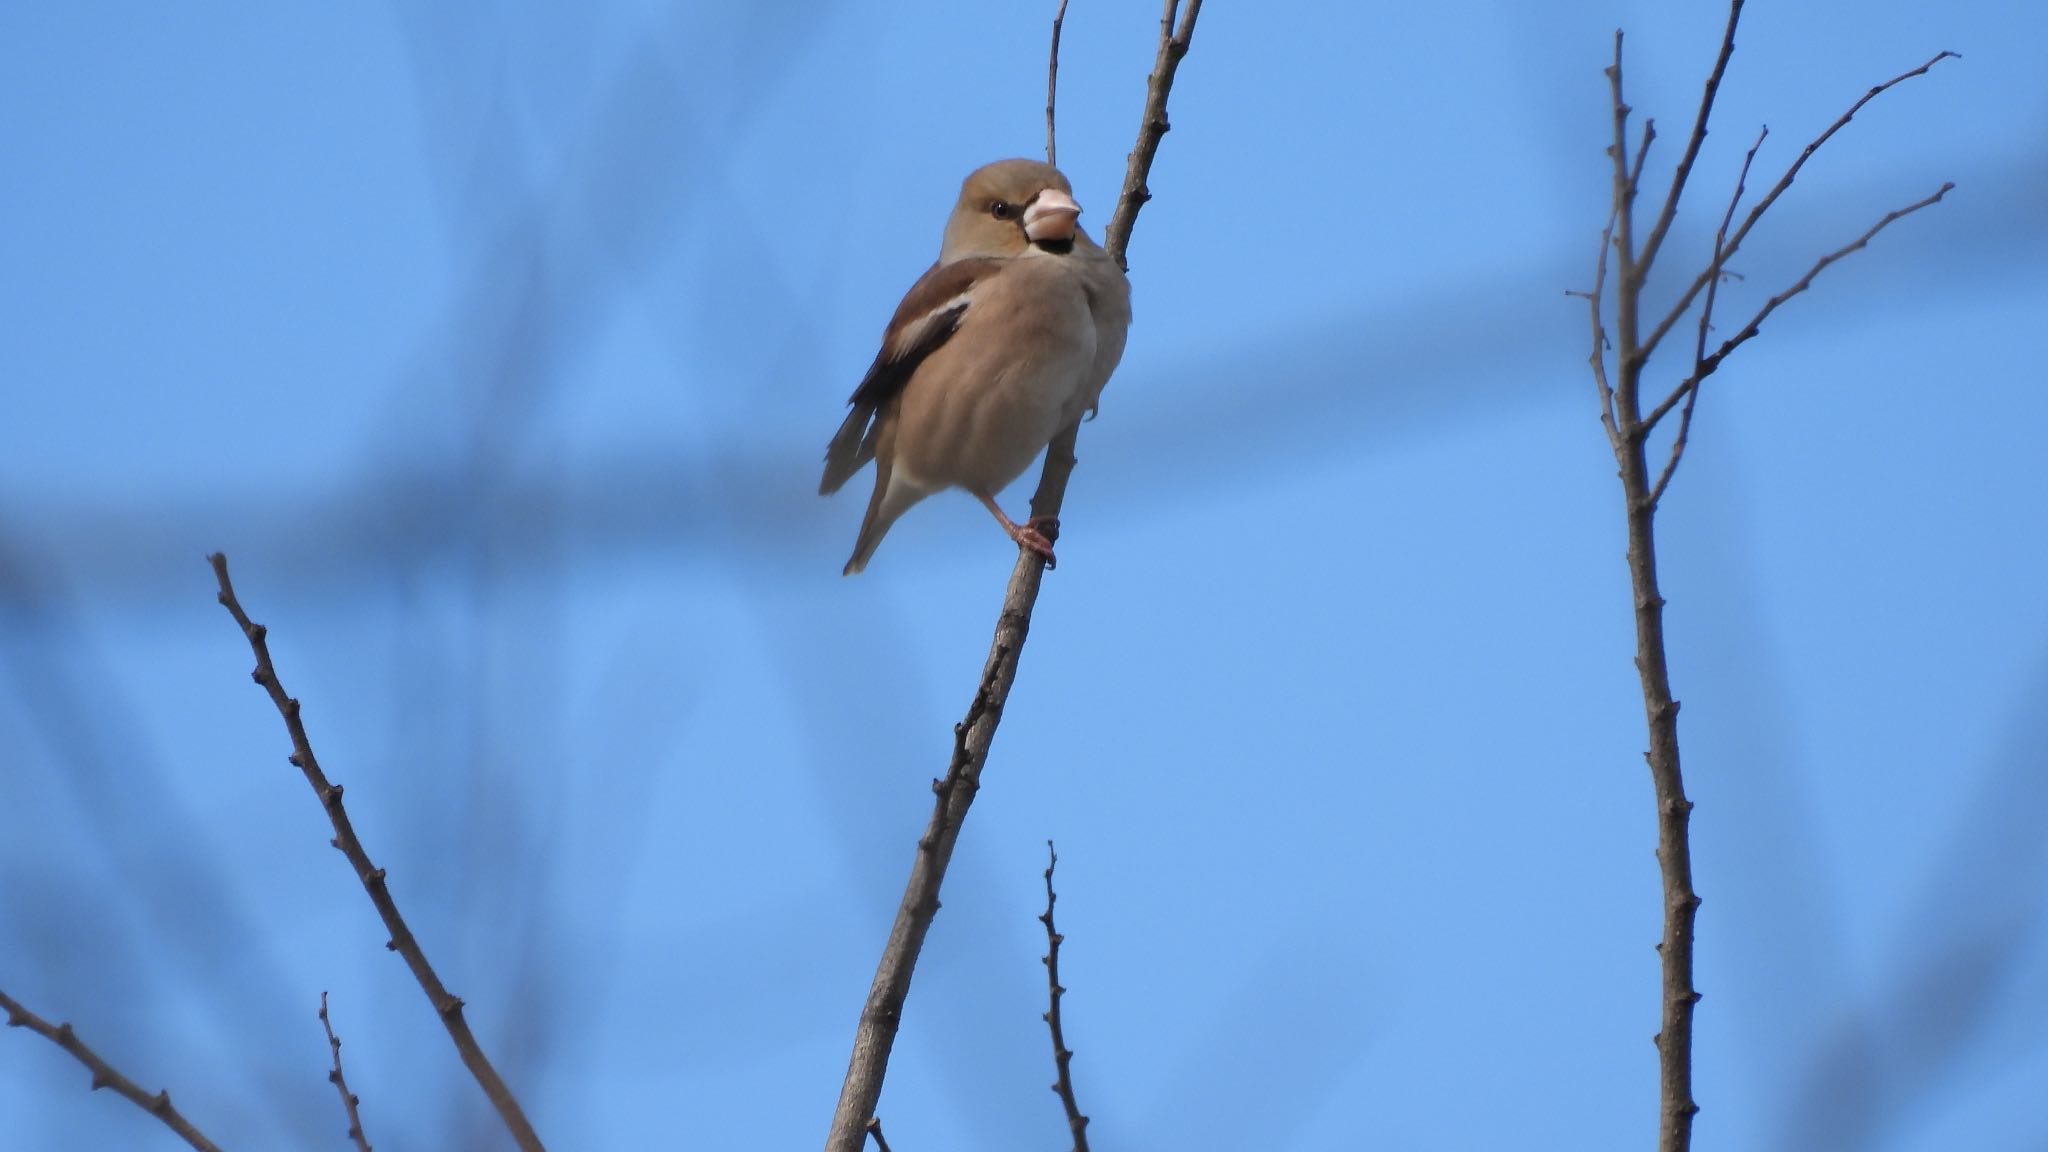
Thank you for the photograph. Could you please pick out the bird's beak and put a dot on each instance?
(1051, 216)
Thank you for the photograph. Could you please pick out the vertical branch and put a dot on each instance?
(1622, 214)
(1699, 136)
(1674, 851)
(1691, 387)
(1153, 127)
(882, 1014)
(1596, 303)
(1674, 810)
(349, 1102)
(1628, 433)
(447, 1005)
(105, 1075)
(1062, 1056)
(1052, 85)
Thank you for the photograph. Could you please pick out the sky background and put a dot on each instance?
(498, 347)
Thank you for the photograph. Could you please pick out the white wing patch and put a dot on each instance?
(913, 334)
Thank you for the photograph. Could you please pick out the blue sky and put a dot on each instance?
(498, 348)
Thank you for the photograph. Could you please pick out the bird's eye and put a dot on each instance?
(1002, 210)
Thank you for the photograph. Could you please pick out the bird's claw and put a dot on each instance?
(1028, 535)
(1031, 539)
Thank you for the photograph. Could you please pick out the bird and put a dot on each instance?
(1002, 344)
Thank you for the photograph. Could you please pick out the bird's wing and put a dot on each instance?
(927, 318)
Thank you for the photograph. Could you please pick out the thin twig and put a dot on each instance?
(875, 1129)
(1705, 365)
(1052, 85)
(1621, 217)
(1699, 352)
(1062, 1056)
(335, 1077)
(1628, 276)
(875, 1036)
(447, 1005)
(1756, 213)
(1173, 45)
(1598, 360)
(1635, 173)
(1756, 322)
(105, 1075)
(1692, 146)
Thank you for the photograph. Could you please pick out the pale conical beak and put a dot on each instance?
(1051, 216)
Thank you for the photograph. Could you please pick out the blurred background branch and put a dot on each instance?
(376, 883)
(350, 1104)
(105, 1075)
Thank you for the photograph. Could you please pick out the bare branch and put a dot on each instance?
(1052, 84)
(1628, 432)
(1717, 272)
(105, 1075)
(1764, 205)
(1628, 277)
(447, 1005)
(340, 1082)
(1691, 390)
(880, 1017)
(1692, 147)
(875, 1129)
(1705, 365)
(1624, 194)
(1061, 1055)
(1598, 359)
(1750, 329)
(1173, 45)
(1635, 173)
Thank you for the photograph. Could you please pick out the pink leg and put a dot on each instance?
(1029, 535)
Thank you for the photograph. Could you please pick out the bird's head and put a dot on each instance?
(1008, 206)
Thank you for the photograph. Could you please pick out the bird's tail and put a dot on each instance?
(852, 446)
(893, 497)
(864, 548)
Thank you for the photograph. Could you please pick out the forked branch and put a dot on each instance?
(447, 1005)
(1619, 387)
(1762, 206)
(1691, 389)
(1755, 324)
(880, 1017)
(1669, 211)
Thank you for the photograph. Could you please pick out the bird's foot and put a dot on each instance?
(1037, 533)
(1029, 535)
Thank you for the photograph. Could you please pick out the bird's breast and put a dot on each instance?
(982, 406)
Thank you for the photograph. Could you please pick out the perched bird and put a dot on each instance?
(1005, 342)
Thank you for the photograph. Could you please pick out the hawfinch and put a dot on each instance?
(1005, 342)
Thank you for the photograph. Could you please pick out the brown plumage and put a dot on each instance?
(1003, 343)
